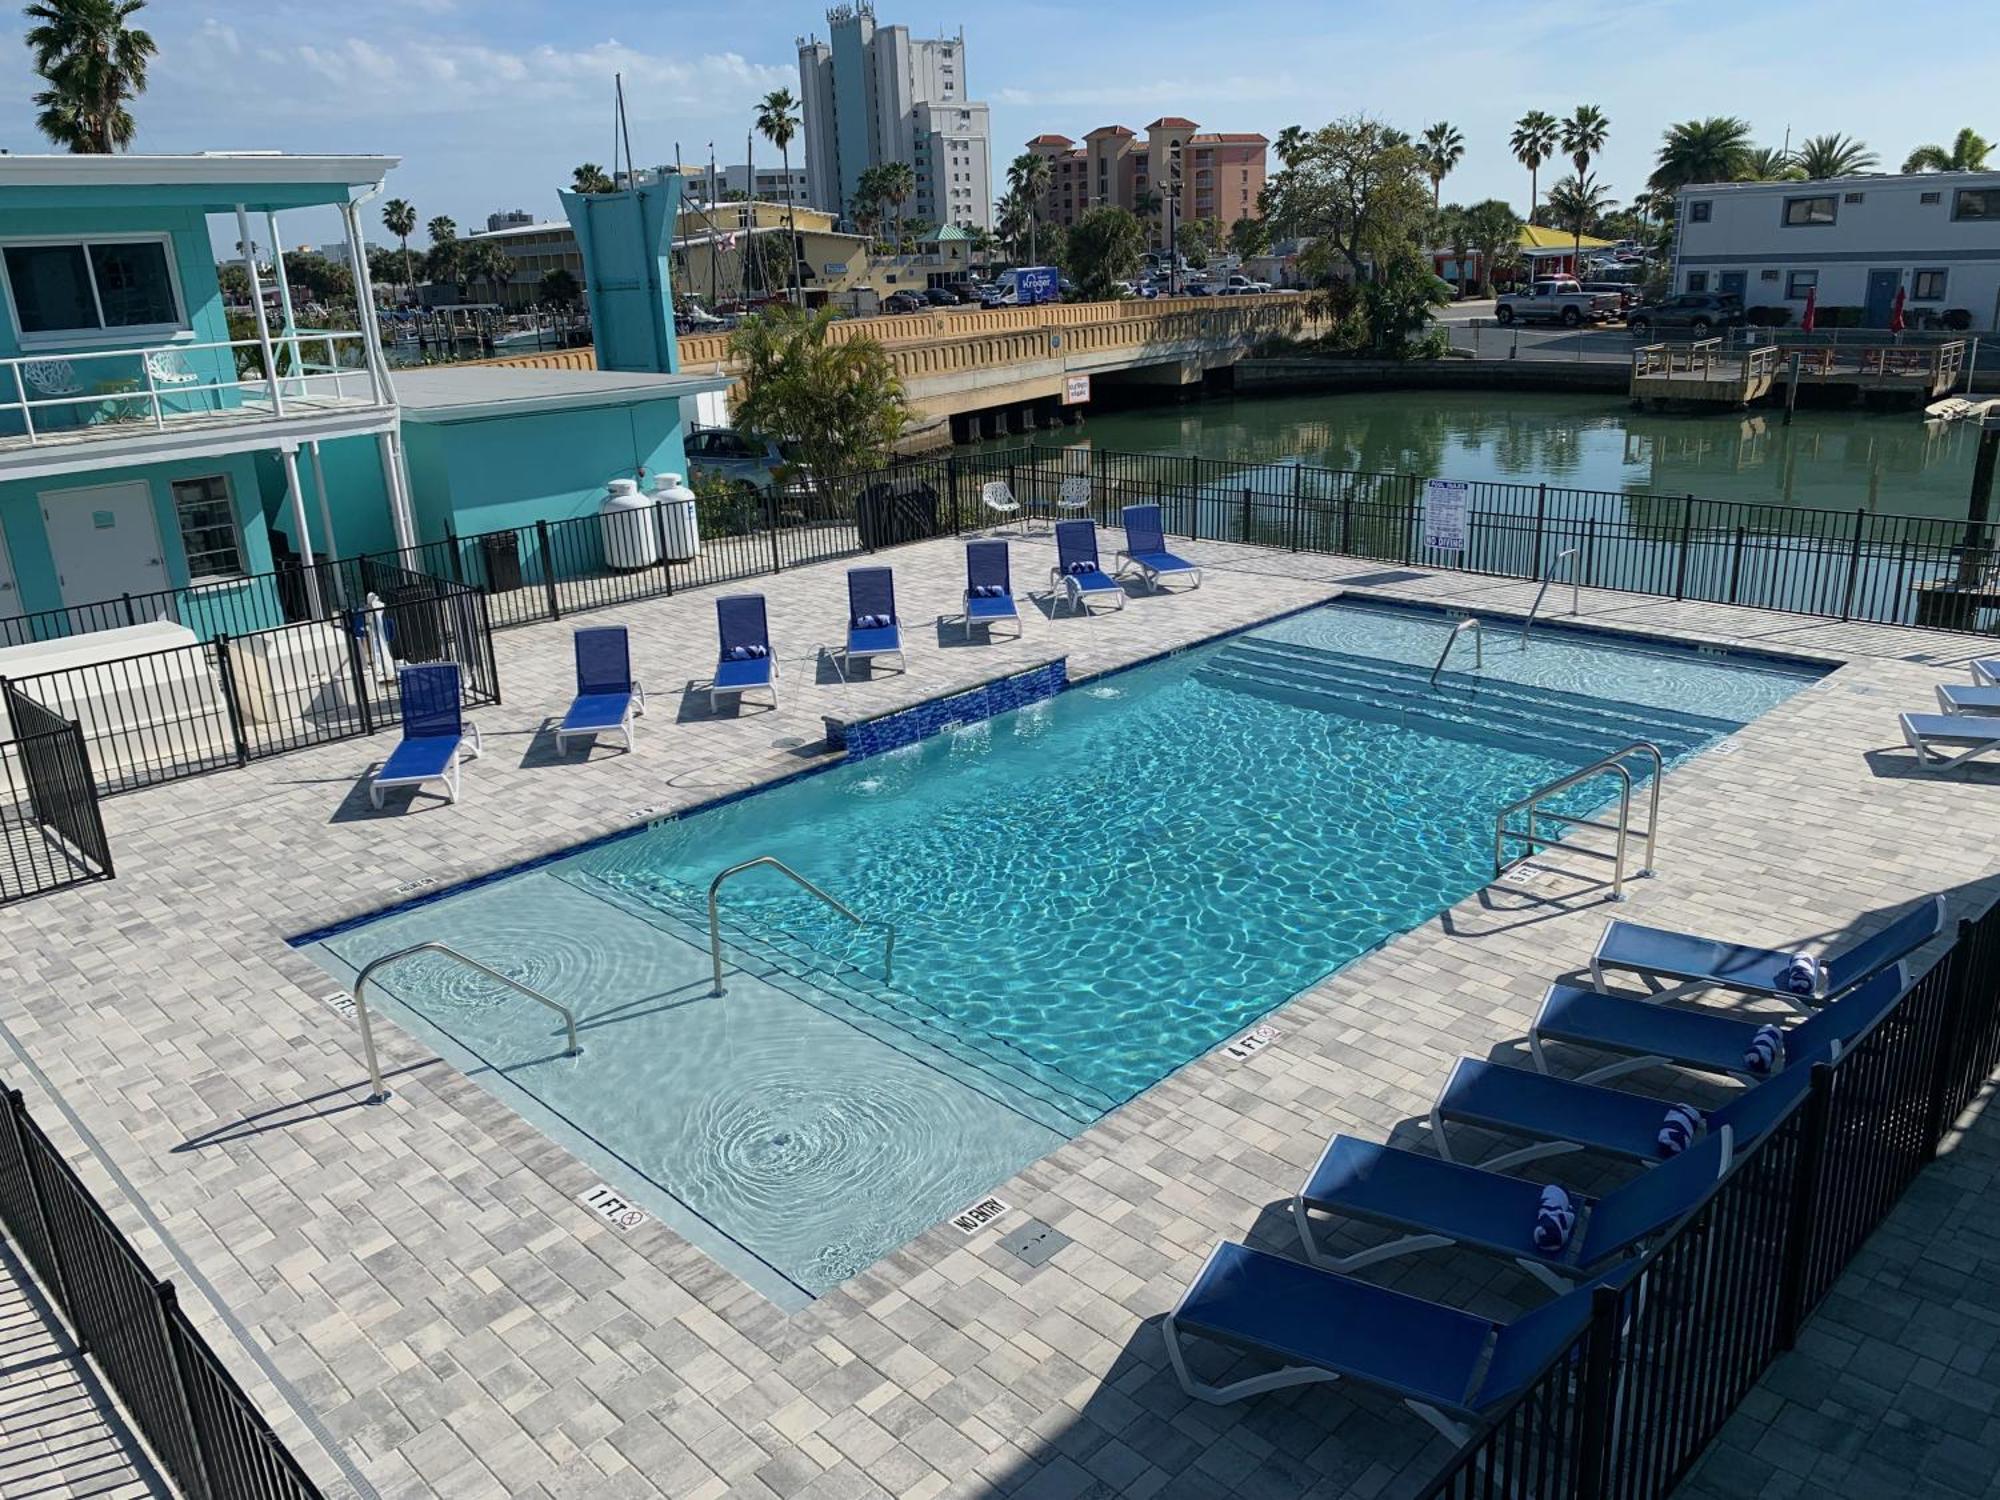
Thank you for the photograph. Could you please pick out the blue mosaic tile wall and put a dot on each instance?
(907, 726)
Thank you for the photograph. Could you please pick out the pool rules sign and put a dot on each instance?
(1444, 515)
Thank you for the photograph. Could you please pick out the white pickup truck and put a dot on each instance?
(1558, 300)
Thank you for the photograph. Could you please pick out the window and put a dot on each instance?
(208, 528)
(1697, 281)
(1816, 210)
(1927, 285)
(1771, 275)
(1799, 283)
(1851, 197)
(1976, 203)
(111, 284)
(1698, 211)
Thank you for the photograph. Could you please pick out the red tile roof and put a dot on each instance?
(1232, 138)
(1109, 130)
(1172, 122)
(1052, 140)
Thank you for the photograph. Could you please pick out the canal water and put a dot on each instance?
(1887, 465)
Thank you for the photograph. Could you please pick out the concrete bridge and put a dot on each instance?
(1010, 368)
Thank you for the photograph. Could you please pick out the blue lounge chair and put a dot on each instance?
(1437, 1202)
(1451, 1368)
(746, 660)
(1650, 1035)
(1986, 672)
(1561, 1115)
(1146, 551)
(871, 598)
(435, 733)
(1943, 741)
(608, 696)
(1955, 698)
(1656, 955)
(1077, 575)
(989, 587)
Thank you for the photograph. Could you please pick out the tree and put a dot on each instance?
(1583, 136)
(1106, 247)
(1248, 237)
(1453, 233)
(1823, 156)
(560, 287)
(400, 219)
(1579, 202)
(1012, 222)
(1197, 241)
(778, 123)
(1357, 192)
(1493, 230)
(1442, 149)
(591, 178)
(1290, 140)
(899, 181)
(1967, 154)
(441, 230)
(837, 407)
(93, 62)
(1716, 149)
(441, 261)
(1533, 142)
(1398, 309)
(485, 261)
(233, 279)
(1767, 164)
(1028, 177)
(319, 279)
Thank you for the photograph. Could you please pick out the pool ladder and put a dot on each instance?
(1568, 554)
(1471, 623)
(368, 1033)
(1613, 764)
(715, 913)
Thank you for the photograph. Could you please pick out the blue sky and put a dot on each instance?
(491, 102)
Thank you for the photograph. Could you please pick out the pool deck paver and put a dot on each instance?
(419, 1271)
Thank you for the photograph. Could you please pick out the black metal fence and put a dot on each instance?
(51, 831)
(207, 1436)
(1625, 1411)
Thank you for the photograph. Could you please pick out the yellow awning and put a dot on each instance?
(1542, 237)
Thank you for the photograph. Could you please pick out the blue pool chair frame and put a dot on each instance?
(1145, 550)
(1946, 741)
(1451, 1368)
(987, 566)
(871, 592)
(608, 697)
(435, 733)
(1438, 1203)
(1076, 542)
(741, 620)
(1986, 672)
(1956, 698)
(1649, 1035)
(1672, 964)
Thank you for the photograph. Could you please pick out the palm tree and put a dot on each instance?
(591, 178)
(1012, 221)
(400, 219)
(1578, 201)
(1533, 142)
(487, 262)
(1443, 148)
(899, 181)
(92, 62)
(1713, 150)
(1767, 164)
(441, 263)
(1824, 156)
(778, 123)
(1583, 137)
(560, 286)
(1291, 143)
(1028, 175)
(1652, 205)
(1967, 154)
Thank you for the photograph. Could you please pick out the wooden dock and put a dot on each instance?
(1704, 373)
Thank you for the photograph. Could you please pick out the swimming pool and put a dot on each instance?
(1086, 895)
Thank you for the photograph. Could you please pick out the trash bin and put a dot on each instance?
(625, 520)
(677, 514)
(500, 552)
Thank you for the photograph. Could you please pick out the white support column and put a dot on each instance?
(257, 302)
(290, 332)
(298, 501)
(364, 301)
(325, 504)
(392, 480)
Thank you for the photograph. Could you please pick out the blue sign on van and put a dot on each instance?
(1035, 284)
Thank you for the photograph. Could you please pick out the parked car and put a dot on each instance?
(905, 301)
(1624, 291)
(941, 296)
(1557, 300)
(724, 453)
(1696, 313)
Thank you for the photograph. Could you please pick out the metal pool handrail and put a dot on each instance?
(1471, 623)
(715, 917)
(368, 1034)
(1611, 765)
(1548, 577)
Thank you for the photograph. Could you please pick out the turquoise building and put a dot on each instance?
(152, 467)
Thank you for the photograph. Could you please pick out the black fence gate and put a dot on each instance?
(51, 829)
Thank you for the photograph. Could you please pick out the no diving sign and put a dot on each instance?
(613, 1207)
(1444, 515)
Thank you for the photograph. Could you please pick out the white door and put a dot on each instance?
(104, 540)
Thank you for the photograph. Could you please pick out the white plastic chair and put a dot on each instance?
(52, 377)
(1073, 495)
(996, 497)
(170, 367)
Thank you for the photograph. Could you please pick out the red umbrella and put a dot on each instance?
(1812, 310)
(1896, 313)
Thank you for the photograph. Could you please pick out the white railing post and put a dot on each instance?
(21, 395)
(257, 303)
(291, 328)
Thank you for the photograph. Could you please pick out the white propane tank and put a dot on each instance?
(676, 502)
(631, 538)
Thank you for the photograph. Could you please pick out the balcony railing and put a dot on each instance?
(62, 397)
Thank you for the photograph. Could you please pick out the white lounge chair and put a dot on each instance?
(1933, 736)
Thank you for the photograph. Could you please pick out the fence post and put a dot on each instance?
(1541, 525)
(227, 673)
(771, 526)
(1853, 564)
(548, 567)
(1736, 565)
(1687, 531)
(360, 676)
(167, 1304)
(17, 1114)
(1803, 1216)
(1347, 520)
(1598, 1405)
(660, 533)
(1298, 502)
(1244, 535)
(951, 491)
(130, 617)
(451, 551)
(1948, 1048)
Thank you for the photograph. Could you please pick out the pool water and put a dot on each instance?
(1085, 896)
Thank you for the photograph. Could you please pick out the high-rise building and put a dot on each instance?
(1221, 174)
(874, 94)
(508, 218)
(774, 184)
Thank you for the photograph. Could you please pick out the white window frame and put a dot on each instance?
(202, 580)
(99, 337)
(1943, 275)
(1791, 282)
(1785, 220)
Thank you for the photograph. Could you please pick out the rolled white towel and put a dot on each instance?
(1555, 1219)
(1766, 1052)
(1801, 975)
(1679, 1128)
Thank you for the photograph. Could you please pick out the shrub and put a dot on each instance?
(1957, 319)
